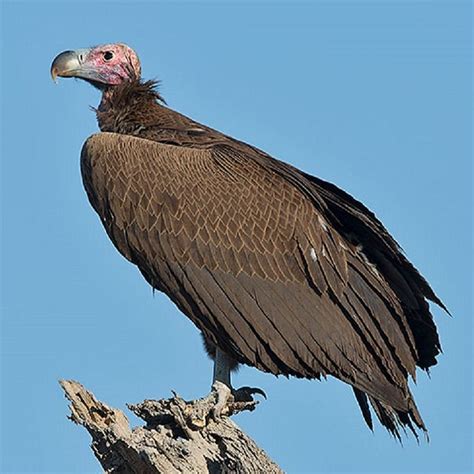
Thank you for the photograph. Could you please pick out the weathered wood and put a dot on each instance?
(179, 437)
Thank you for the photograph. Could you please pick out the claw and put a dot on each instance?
(244, 394)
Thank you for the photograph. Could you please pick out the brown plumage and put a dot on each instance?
(279, 269)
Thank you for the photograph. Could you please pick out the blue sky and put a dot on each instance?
(373, 96)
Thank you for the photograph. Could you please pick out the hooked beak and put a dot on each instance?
(73, 64)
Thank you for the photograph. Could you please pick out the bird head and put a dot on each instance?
(102, 66)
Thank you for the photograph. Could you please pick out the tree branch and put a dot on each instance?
(178, 437)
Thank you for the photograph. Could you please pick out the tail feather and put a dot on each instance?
(393, 420)
(361, 398)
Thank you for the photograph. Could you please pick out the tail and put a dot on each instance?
(389, 417)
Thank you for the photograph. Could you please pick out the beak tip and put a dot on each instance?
(54, 75)
(65, 64)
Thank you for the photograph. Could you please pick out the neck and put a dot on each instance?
(107, 98)
(123, 105)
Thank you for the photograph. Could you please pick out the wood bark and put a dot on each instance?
(178, 436)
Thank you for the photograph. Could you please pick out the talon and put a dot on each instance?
(244, 394)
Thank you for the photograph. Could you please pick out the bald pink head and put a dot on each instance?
(104, 65)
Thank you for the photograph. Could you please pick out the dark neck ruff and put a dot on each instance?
(122, 104)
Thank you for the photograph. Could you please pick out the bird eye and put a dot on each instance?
(108, 55)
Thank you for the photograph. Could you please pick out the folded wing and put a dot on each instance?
(257, 258)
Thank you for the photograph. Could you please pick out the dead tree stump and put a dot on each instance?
(178, 437)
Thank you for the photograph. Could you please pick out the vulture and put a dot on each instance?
(278, 269)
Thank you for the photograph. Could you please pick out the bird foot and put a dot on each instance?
(232, 401)
(223, 401)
